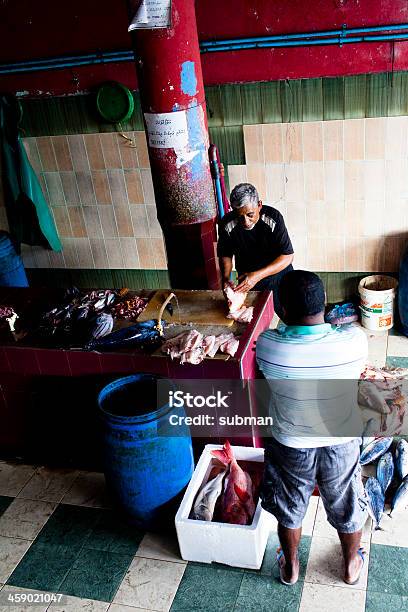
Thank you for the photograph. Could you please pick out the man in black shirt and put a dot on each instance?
(257, 236)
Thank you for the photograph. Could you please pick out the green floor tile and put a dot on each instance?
(43, 567)
(270, 565)
(264, 594)
(379, 602)
(222, 566)
(96, 575)
(4, 503)
(205, 589)
(69, 526)
(387, 572)
(397, 362)
(112, 534)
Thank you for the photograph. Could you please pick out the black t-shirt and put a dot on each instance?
(255, 248)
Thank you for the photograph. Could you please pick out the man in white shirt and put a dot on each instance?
(314, 435)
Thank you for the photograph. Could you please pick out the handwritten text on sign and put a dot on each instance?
(167, 130)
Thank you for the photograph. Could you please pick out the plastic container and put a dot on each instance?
(377, 295)
(145, 469)
(207, 542)
(403, 293)
(12, 272)
(115, 102)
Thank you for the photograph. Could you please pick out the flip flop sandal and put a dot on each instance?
(361, 554)
(279, 557)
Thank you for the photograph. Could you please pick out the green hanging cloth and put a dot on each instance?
(30, 220)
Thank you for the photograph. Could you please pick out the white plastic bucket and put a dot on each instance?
(377, 295)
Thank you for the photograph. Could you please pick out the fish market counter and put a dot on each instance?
(48, 389)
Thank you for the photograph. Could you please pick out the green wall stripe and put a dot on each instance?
(231, 104)
(214, 107)
(339, 285)
(373, 95)
(398, 94)
(377, 95)
(251, 103)
(355, 97)
(291, 99)
(230, 143)
(333, 99)
(312, 99)
(104, 279)
(271, 102)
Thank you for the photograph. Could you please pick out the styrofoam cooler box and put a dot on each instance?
(236, 545)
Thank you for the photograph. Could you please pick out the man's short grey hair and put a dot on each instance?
(244, 194)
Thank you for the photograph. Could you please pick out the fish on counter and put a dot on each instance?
(208, 344)
(401, 458)
(227, 343)
(235, 299)
(192, 347)
(376, 500)
(190, 341)
(237, 310)
(375, 450)
(203, 509)
(237, 504)
(243, 315)
(187, 346)
(400, 499)
(103, 325)
(385, 471)
(144, 334)
(129, 309)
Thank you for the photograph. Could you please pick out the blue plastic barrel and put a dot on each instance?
(146, 467)
(12, 272)
(403, 293)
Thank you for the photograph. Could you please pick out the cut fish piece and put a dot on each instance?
(243, 315)
(235, 299)
(208, 344)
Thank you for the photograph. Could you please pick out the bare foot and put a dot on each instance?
(289, 572)
(353, 571)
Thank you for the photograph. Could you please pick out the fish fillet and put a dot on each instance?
(235, 299)
(243, 315)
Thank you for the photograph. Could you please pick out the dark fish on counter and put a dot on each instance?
(376, 501)
(401, 458)
(103, 326)
(143, 334)
(400, 499)
(72, 293)
(385, 471)
(374, 450)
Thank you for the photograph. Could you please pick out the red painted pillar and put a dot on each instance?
(173, 102)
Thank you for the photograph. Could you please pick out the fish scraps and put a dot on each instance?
(382, 393)
(192, 347)
(237, 310)
(129, 309)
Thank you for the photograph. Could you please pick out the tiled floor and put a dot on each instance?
(58, 535)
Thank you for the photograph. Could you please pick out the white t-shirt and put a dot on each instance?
(313, 372)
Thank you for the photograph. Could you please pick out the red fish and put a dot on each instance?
(238, 505)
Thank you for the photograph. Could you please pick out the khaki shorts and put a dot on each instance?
(290, 477)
